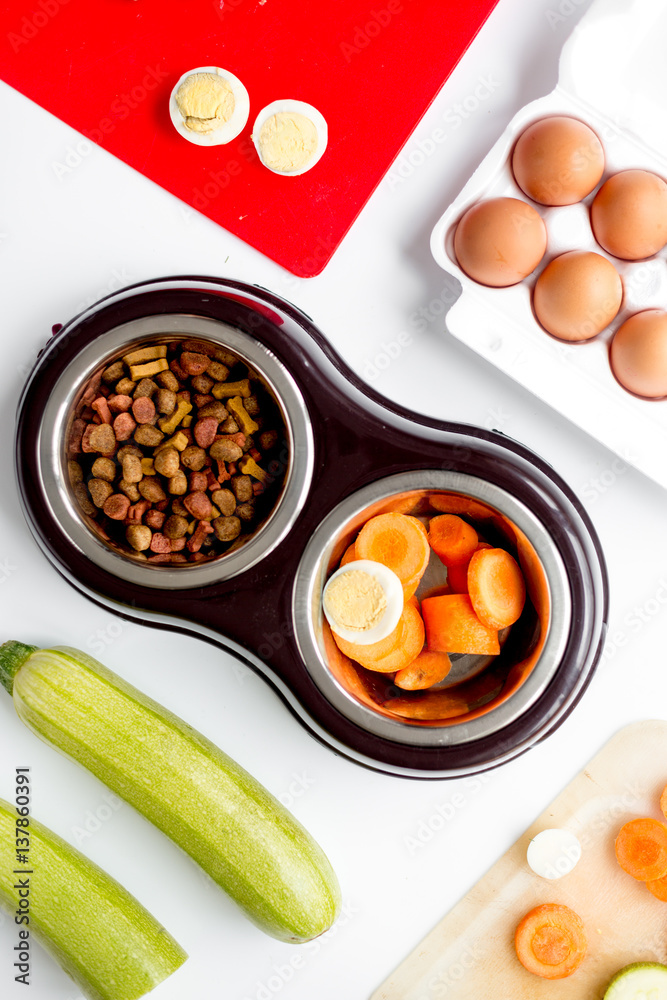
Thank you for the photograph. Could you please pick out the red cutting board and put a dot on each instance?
(473, 945)
(372, 69)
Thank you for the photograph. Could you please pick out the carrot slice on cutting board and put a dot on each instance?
(641, 849)
(453, 627)
(550, 941)
(658, 888)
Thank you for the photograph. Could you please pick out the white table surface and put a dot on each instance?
(66, 240)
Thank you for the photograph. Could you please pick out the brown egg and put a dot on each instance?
(577, 295)
(558, 161)
(638, 354)
(500, 241)
(629, 214)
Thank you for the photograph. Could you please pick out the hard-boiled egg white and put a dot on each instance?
(393, 593)
(290, 137)
(226, 131)
(553, 853)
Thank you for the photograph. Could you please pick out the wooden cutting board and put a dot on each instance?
(470, 953)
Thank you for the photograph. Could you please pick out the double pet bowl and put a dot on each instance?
(350, 454)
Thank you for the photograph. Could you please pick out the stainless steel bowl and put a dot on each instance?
(59, 410)
(369, 703)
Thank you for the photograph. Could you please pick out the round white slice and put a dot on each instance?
(344, 581)
(553, 853)
(639, 981)
(295, 110)
(226, 131)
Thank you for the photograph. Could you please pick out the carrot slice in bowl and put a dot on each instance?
(373, 650)
(398, 541)
(453, 627)
(349, 555)
(452, 539)
(411, 644)
(497, 588)
(457, 572)
(550, 941)
(641, 849)
(427, 669)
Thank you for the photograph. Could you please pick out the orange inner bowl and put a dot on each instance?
(455, 701)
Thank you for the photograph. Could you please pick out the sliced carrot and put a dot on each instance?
(453, 627)
(663, 802)
(452, 538)
(457, 577)
(641, 849)
(398, 541)
(457, 573)
(497, 588)
(375, 650)
(452, 503)
(550, 941)
(430, 707)
(349, 555)
(427, 669)
(420, 524)
(410, 646)
(410, 587)
(658, 888)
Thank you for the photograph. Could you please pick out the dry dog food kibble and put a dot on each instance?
(176, 451)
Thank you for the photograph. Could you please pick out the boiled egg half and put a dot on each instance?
(209, 106)
(290, 137)
(363, 601)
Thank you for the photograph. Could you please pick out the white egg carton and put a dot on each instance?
(613, 76)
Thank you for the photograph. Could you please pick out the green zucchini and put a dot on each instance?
(101, 935)
(639, 981)
(210, 806)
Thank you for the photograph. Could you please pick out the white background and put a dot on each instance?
(66, 240)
